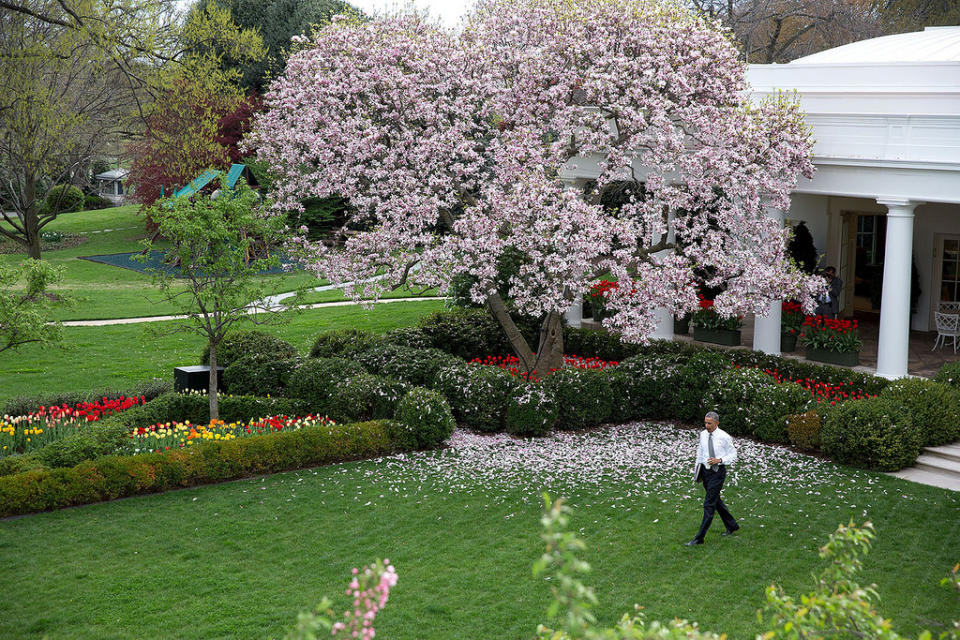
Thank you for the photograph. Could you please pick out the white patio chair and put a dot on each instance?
(948, 326)
(949, 307)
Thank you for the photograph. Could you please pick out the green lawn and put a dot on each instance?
(105, 291)
(239, 560)
(120, 355)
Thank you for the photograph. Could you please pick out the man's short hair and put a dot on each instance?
(830, 270)
(712, 415)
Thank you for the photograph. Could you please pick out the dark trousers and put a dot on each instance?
(712, 483)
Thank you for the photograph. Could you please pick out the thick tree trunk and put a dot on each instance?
(214, 398)
(549, 354)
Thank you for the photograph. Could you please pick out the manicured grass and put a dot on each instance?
(120, 355)
(239, 560)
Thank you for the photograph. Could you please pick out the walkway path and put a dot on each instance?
(319, 305)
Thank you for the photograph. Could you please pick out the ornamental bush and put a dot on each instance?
(650, 384)
(804, 430)
(63, 198)
(934, 408)
(799, 370)
(949, 374)
(426, 417)
(259, 375)
(477, 394)
(247, 343)
(732, 394)
(767, 415)
(414, 366)
(365, 397)
(473, 333)
(875, 433)
(316, 378)
(343, 343)
(598, 344)
(696, 375)
(532, 410)
(408, 337)
(93, 202)
(583, 397)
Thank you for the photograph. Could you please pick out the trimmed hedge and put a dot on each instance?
(473, 333)
(875, 433)
(583, 397)
(949, 374)
(414, 366)
(647, 386)
(804, 430)
(247, 343)
(111, 477)
(477, 394)
(695, 376)
(733, 394)
(531, 411)
(934, 408)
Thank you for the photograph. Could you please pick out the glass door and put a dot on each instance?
(949, 268)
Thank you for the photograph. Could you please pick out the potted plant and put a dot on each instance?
(597, 298)
(710, 326)
(834, 341)
(791, 319)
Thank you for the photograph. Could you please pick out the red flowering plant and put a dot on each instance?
(829, 334)
(597, 297)
(511, 364)
(791, 317)
(706, 317)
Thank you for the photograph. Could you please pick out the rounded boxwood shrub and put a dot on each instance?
(94, 202)
(414, 366)
(949, 374)
(342, 343)
(365, 397)
(583, 397)
(695, 377)
(531, 410)
(771, 408)
(247, 343)
(874, 433)
(408, 337)
(804, 430)
(732, 394)
(258, 375)
(63, 198)
(476, 393)
(316, 379)
(934, 408)
(473, 333)
(426, 419)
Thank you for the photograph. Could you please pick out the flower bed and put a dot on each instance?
(829, 334)
(20, 434)
(821, 391)
(706, 317)
(511, 364)
(177, 435)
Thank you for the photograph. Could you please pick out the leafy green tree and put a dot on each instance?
(217, 248)
(277, 21)
(802, 249)
(25, 310)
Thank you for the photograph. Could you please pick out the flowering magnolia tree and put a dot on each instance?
(457, 148)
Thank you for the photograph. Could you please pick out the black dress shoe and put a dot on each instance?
(730, 532)
(693, 542)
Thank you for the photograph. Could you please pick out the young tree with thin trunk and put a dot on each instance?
(455, 148)
(26, 304)
(217, 248)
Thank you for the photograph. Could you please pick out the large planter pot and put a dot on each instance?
(788, 342)
(844, 359)
(726, 337)
(681, 326)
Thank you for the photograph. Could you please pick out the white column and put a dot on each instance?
(574, 315)
(893, 349)
(766, 328)
(664, 330)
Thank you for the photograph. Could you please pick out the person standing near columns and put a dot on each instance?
(714, 453)
(836, 287)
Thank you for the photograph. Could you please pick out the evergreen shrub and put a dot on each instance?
(259, 374)
(63, 198)
(477, 394)
(650, 384)
(934, 408)
(342, 343)
(315, 380)
(531, 410)
(949, 374)
(426, 419)
(238, 344)
(583, 397)
(772, 406)
(365, 397)
(732, 394)
(414, 366)
(408, 337)
(874, 433)
(695, 377)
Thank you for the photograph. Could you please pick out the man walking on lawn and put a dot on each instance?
(714, 453)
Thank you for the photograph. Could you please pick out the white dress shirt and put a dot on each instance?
(722, 448)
